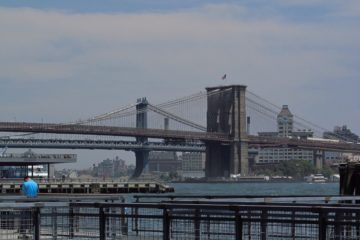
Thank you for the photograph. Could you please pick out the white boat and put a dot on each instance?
(316, 178)
(334, 178)
(38, 171)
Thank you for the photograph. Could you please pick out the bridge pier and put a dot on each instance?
(217, 162)
(227, 114)
(142, 159)
(319, 156)
(142, 156)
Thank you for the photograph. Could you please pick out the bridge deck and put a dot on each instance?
(109, 131)
(253, 141)
(304, 144)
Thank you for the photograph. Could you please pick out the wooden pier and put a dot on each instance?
(350, 178)
(91, 187)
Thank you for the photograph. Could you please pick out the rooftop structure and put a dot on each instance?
(17, 164)
(31, 158)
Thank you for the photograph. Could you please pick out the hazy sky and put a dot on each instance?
(65, 60)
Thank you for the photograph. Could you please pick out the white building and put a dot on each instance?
(285, 122)
(285, 127)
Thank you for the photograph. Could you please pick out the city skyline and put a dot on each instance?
(66, 60)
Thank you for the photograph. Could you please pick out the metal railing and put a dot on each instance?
(241, 199)
(177, 221)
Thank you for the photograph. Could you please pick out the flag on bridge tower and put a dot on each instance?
(223, 77)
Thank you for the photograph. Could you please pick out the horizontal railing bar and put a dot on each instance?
(22, 205)
(267, 197)
(226, 208)
(233, 207)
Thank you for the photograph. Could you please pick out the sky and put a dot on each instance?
(71, 59)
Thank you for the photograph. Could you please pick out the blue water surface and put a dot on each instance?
(271, 189)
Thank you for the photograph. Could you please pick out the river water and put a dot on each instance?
(271, 189)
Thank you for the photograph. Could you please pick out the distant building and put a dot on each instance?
(162, 162)
(350, 157)
(334, 158)
(109, 168)
(73, 174)
(343, 134)
(193, 165)
(285, 122)
(285, 128)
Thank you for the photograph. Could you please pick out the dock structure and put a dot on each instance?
(30, 158)
(52, 186)
(90, 187)
(63, 198)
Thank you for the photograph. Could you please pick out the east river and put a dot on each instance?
(271, 189)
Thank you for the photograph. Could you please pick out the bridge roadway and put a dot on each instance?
(110, 131)
(304, 144)
(100, 144)
(254, 141)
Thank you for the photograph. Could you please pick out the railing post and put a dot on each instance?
(71, 222)
(36, 223)
(263, 221)
(337, 226)
(238, 225)
(322, 225)
(166, 224)
(76, 222)
(136, 219)
(357, 235)
(136, 210)
(197, 223)
(108, 226)
(124, 221)
(54, 223)
(102, 223)
(249, 223)
(293, 225)
(208, 226)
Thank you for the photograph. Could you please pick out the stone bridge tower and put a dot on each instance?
(142, 156)
(227, 114)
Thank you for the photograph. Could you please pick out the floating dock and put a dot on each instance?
(91, 187)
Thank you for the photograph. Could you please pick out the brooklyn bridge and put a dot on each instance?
(222, 121)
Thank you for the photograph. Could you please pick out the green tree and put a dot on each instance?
(173, 175)
(296, 168)
(327, 171)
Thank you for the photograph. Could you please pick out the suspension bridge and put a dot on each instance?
(223, 122)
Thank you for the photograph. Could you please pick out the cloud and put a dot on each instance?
(168, 48)
(303, 2)
(60, 65)
(349, 10)
(45, 46)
